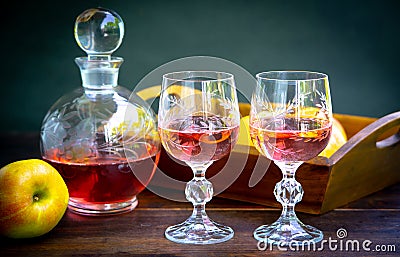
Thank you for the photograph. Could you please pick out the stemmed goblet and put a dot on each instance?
(198, 121)
(290, 122)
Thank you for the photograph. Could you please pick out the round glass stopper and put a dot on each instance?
(99, 31)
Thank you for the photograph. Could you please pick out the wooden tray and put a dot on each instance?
(368, 162)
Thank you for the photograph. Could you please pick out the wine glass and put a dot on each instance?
(198, 121)
(290, 122)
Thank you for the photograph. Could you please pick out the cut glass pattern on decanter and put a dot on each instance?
(101, 125)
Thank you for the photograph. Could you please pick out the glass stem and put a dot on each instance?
(288, 191)
(199, 191)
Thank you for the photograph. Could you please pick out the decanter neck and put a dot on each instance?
(99, 73)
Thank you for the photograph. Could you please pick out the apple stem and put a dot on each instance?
(35, 198)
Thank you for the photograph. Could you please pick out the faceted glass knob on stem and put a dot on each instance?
(99, 32)
(198, 121)
(290, 122)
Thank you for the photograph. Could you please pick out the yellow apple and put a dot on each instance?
(244, 132)
(337, 139)
(33, 198)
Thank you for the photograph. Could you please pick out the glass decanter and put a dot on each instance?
(101, 137)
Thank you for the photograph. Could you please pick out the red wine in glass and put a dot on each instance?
(198, 122)
(291, 139)
(290, 123)
(198, 138)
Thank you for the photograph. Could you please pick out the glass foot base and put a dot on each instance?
(94, 209)
(192, 232)
(292, 232)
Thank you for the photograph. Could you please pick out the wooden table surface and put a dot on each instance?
(373, 221)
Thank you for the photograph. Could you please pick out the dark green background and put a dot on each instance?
(355, 42)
